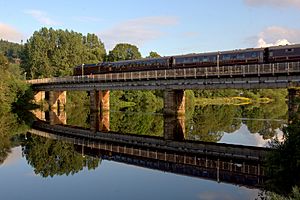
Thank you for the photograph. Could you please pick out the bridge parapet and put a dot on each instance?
(271, 69)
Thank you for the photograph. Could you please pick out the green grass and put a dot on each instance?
(230, 101)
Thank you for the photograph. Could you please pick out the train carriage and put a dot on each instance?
(245, 56)
(195, 60)
(284, 53)
(212, 62)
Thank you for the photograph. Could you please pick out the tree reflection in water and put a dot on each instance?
(10, 126)
(209, 123)
(283, 163)
(51, 157)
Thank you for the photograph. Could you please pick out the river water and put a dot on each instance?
(35, 167)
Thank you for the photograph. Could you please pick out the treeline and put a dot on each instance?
(15, 94)
(13, 51)
(14, 91)
(50, 52)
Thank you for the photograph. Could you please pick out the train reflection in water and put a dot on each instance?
(235, 164)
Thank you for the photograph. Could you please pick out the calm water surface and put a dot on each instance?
(111, 180)
(32, 169)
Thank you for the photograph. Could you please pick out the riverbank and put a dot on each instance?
(231, 101)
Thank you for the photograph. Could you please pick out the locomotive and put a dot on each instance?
(272, 54)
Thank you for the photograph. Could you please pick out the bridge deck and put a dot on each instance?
(275, 75)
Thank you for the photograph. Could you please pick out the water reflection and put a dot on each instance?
(210, 123)
(54, 157)
(160, 143)
(283, 162)
(221, 163)
(222, 124)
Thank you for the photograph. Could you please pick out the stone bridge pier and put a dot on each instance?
(293, 104)
(99, 121)
(174, 127)
(39, 114)
(57, 99)
(57, 116)
(174, 102)
(39, 96)
(99, 100)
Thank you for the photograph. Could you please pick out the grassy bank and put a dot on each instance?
(230, 101)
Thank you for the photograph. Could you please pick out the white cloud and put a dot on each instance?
(137, 31)
(275, 35)
(262, 43)
(10, 33)
(274, 3)
(41, 17)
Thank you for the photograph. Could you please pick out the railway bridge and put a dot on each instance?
(172, 81)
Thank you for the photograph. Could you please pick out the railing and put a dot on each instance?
(271, 69)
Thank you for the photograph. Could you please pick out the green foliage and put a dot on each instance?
(11, 50)
(78, 116)
(3, 62)
(275, 94)
(140, 123)
(209, 123)
(153, 54)
(13, 89)
(295, 195)
(217, 93)
(10, 125)
(50, 157)
(274, 110)
(124, 51)
(95, 50)
(142, 100)
(77, 99)
(283, 163)
(14, 94)
(52, 52)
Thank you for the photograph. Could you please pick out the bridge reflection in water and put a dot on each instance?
(235, 164)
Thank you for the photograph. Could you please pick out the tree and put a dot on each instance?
(124, 51)
(12, 51)
(153, 54)
(3, 62)
(95, 51)
(52, 52)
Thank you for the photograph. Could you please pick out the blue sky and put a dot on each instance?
(168, 27)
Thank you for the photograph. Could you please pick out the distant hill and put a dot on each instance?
(12, 51)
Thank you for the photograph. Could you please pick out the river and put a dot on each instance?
(37, 167)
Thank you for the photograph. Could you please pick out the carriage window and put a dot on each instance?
(240, 56)
(188, 60)
(254, 54)
(205, 59)
(289, 50)
(195, 59)
(226, 57)
(179, 60)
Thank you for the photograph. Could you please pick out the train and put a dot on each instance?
(273, 54)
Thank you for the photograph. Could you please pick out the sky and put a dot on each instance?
(169, 27)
